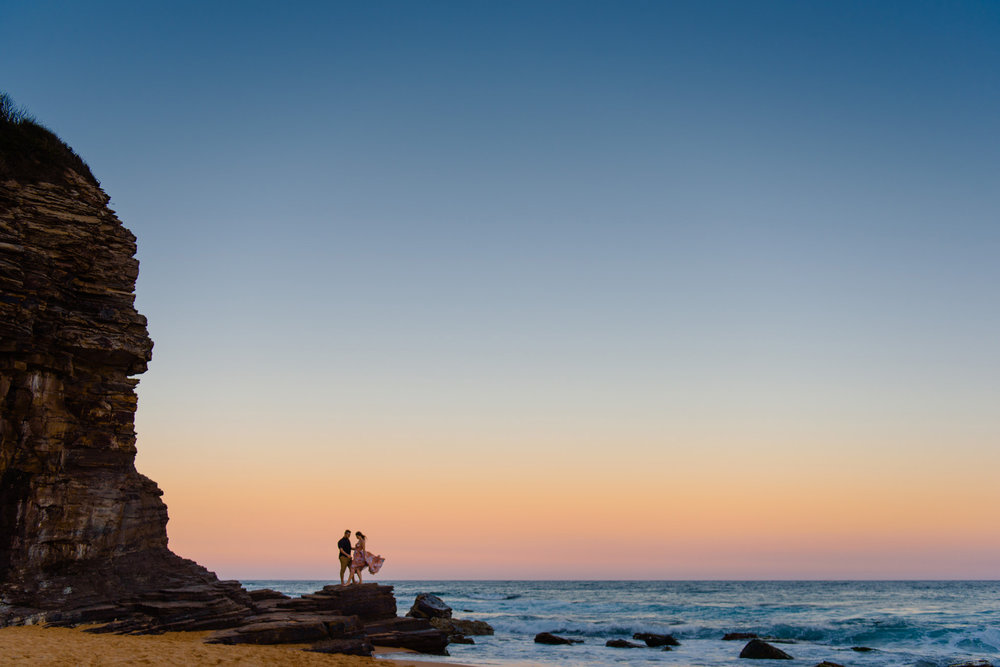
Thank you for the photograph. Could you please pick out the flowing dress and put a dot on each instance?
(363, 559)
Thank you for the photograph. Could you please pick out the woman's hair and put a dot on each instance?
(359, 534)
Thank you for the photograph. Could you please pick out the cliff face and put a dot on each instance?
(79, 527)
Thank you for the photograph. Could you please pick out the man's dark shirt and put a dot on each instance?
(345, 545)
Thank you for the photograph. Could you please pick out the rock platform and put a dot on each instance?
(337, 619)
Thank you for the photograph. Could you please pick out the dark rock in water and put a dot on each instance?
(759, 650)
(460, 639)
(741, 636)
(654, 640)
(549, 638)
(82, 533)
(455, 626)
(862, 649)
(622, 643)
(267, 594)
(353, 646)
(828, 664)
(972, 663)
(429, 606)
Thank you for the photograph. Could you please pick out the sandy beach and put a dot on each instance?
(36, 645)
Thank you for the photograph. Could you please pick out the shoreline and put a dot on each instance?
(67, 647)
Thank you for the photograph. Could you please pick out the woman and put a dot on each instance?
(363, 559)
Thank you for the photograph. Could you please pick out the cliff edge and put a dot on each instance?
(82, 533)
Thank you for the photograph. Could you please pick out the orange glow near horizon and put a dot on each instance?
(559, 512)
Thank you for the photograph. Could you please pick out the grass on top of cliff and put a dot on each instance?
(31, 153)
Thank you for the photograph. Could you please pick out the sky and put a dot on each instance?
(534, 290)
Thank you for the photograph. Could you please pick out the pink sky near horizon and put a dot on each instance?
(601, 511)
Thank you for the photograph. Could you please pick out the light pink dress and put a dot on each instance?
(363, 559)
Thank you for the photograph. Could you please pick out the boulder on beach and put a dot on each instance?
(429, 606)
(654, 640)
(549, 638)
(761, 650)
(741, 636)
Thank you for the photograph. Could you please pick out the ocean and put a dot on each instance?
(903, 623)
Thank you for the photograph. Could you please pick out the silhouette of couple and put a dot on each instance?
(360, 559)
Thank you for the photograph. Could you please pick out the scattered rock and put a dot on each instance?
(621, 643)
(828, 664)
(429, 606)
(654, 640)
(760, 650)
(549, 638)
(862, 649)
(972, 663)
(742, 636)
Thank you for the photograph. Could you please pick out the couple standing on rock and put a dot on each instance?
(359, 561)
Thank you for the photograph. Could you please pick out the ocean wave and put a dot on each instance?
(956, 640)
(530, 626)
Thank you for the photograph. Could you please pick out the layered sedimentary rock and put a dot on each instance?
(336, 619)
(82, 534)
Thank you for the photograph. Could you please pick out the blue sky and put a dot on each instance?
(659, 226)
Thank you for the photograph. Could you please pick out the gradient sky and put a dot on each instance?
(553, 289)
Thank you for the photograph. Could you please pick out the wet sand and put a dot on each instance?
(69, 647)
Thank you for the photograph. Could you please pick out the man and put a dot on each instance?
(345, 554)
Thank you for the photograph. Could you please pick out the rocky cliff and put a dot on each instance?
(82, 534)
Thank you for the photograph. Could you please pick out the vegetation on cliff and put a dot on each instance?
(30, 152)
